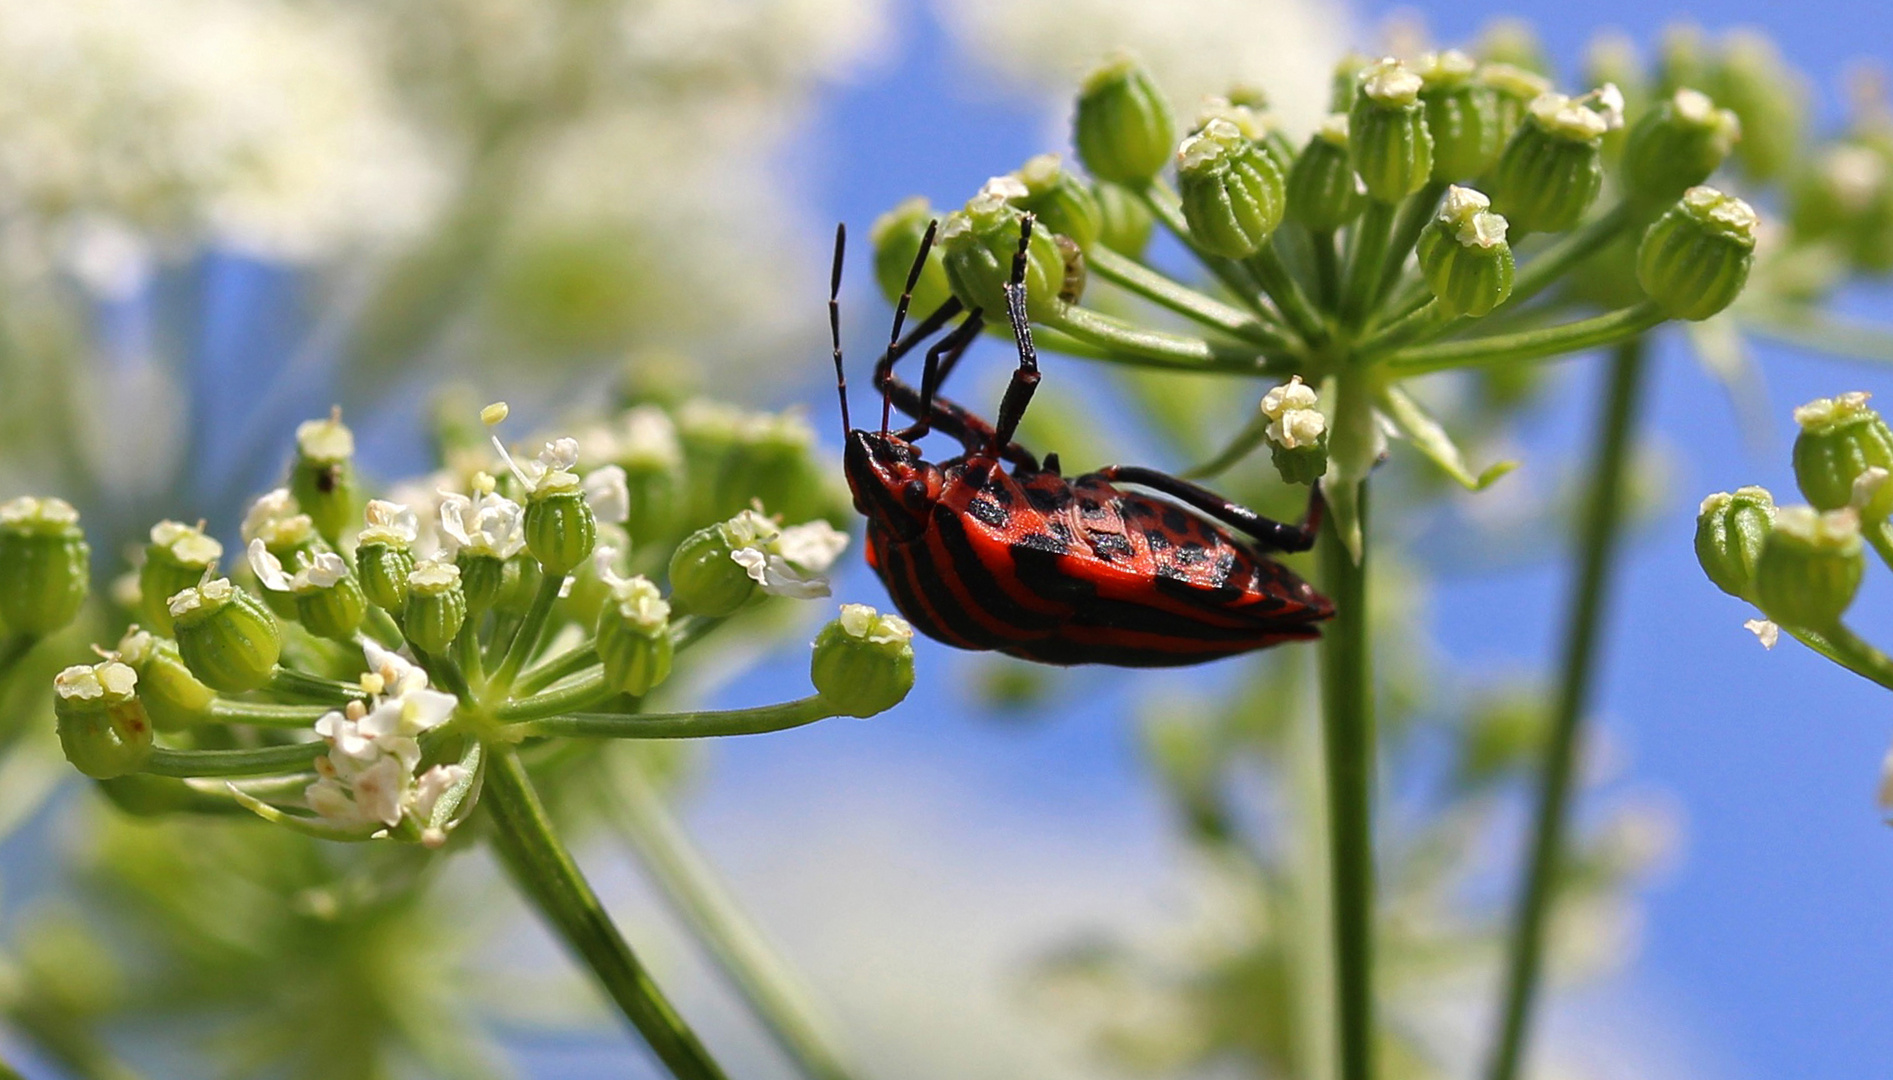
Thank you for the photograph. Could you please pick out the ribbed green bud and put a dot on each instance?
(176, 559)
(226, 637)
(520, 585)
(1386, 132)
(1751, 78)
(323, 476)
(383, 570)
(863, 662)
(1256, 123)
(1462, 115)
(1123, 127)
(1810, 567)
(561, 529)
(1297, 431)
(102, 727)
(1694, 261)
(436, 606)
(1125, 222)
(1552, 169)
(1061, 201)
(174, 698)
(1464, 256)
(979, 243)
(704, 579)
(634, 642)
(1676, 146)
(1840, 439)
(1323, 192)
(45, 565)
(1233, 194)
(896, 236)
(482, 579)
(332, 609)
(1730, 532)
(1513, 91)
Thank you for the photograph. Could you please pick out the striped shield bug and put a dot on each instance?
(1036, 565)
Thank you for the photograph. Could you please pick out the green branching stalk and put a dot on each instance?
(1161, 290)
(552, 669)
(1124, 343)
(1414, 214)
(264, 761)
(1267, 266)
(265, 714)
(1609, 329)
(288, 682)
(586, 691)
(1372, 236)
(1849, 650)
(1817, 330)
(1552, 264)
(526, 639)
(685, 725)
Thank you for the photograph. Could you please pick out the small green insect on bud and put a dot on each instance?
(1062, 202)
(177, 558)
(863, 662)
(173, 697)
(323, 476)
(1810, 567)
(102, 726)
(1464, 256)
(704, 579)
(896, 236)
(1676, 146)
(436, 606)
(634, 636)
(1461, 114)
(561, 529)
(45, 565)
(979, 243)
(1552, 169)
(1694, 261)
(1751, 78)
(1323, 191)
(1233, 194)
(1841, 438)
(1297, 431)
(1123, 127)
(1386, 132)
(226, 637)
(1124, 221)
(1513, 91)
(1730, 532)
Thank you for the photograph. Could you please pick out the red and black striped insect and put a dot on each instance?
(1040, 566)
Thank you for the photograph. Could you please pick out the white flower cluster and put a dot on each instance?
(1294, 419)
(320, 570)
(367, 777)
(790, 562)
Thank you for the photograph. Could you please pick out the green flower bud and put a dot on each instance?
(1323, 192)
(896, 236)
(1386, 132)
(482, 579)
(288, 534)
(383, 570)
(1256, 123)
(102, 727)
(772, 456)
(1694, 261)
(1683, 59)
(44, 565)
(863, 662)
(1810, 567)
(1464, 256)
(979, 243)
(1347, 72)
(704, 579)
(634, 636)
(1123, 126)
(227, 637)
(173, 697)
(1513, 91)
(1552, 169)
(561, 529)
(332, 608)
(1676, 146)
(1751, 78)
(1061, 201)
(1841, 438)
(1845, 195)
(1461, 114)
(652, 458)
(1297, 431)
(1611, 57)
(436, 606)
(1233, 194)
(323, 476)
(1730, 532)
(177, 558)
(1513, 42)
(1125, 222)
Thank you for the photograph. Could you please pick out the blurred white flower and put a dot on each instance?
(367, 777)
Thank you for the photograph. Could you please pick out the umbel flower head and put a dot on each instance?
(367, 778)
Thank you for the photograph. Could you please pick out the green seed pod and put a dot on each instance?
(323, 476)
(863, 662)
(1771, 98)
(1323, 192)
(1840, 439)
(332, 608)
(704, 579)
(1123, 127)
(102, 727)
(436, 606)
(1552, 169)
(1730, 532)
(173, 697)
(1513, 91)
(1297, 431)
(1256, 123)
(383, 570)
(896, 236)
(1061, 201)
(1464, 256)
(151, 796)
(1810, 567)
(1694, 261)
(1386, 132)
(482, 579)
(561, 529)
(1233, 194)
(177, 558)
(1676, 146)
(1125, 222)
(1461, 114)
(979, 243)
(226, 637)
(634, 642)
(45, 565)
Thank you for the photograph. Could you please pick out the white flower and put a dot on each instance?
(790, 562)
(319, 571)
(187, 543)
(275, 519)
(217, 591)
(639, 603)
(1765, 632)
(491, 524)
(551, 471)
(389, 523)
(367, 777)
(650, 438)
(862, 621)
(608, 494)
(89, 682)
(1293, 418)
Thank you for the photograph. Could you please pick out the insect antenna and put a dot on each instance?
(834, 326)
(900, 315)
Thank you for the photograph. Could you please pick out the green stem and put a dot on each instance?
(1371, 237)
(688, 725)
(1598, 544)
(1347, 702)
(583, 692)
(703, 901)
(263, 761)
(464, 650)
(266, 714)
(1267, 266)
(1327, 269)
(1155, 348)
(13, 649)
(1427, 320)
(288, 682)
(1553, 263)
(1849, 650)
(546, 874)
(1414, 214)
(1617, 326)
(526, 640)
(1159, 289)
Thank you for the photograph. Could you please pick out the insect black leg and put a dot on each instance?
(1025, 378)
(1272, 534)
(940, 360)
